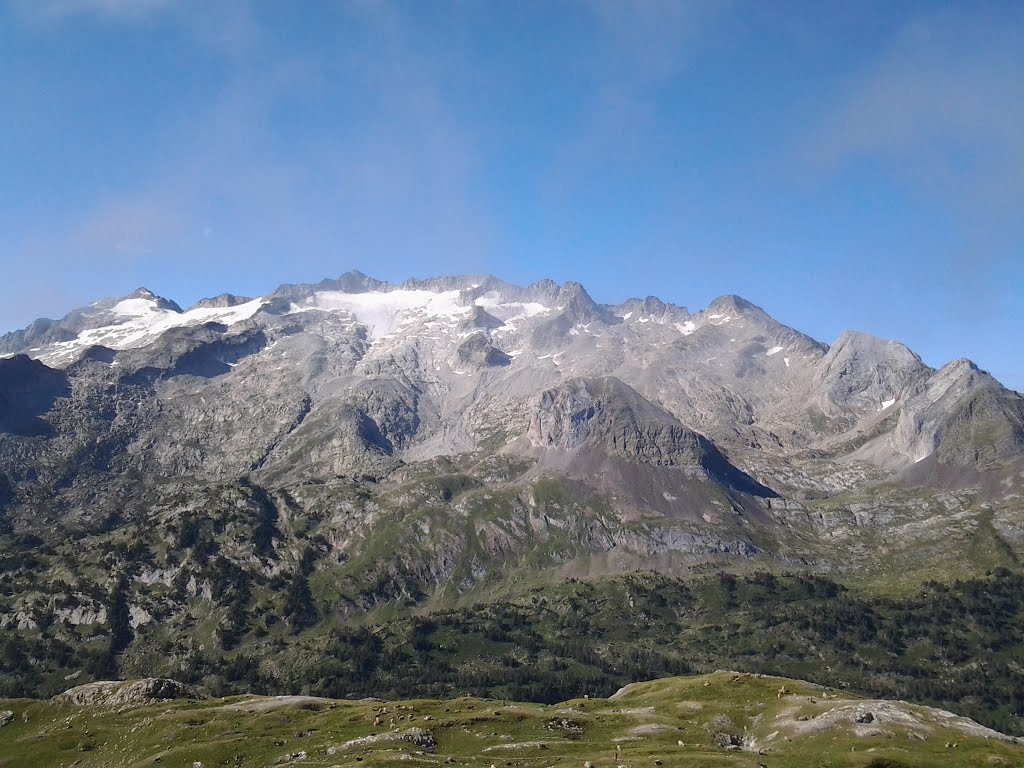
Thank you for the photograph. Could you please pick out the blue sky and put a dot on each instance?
(843, 165)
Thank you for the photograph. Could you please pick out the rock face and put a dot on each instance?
(606, 415)
(28, 390)
(418, 737)
(135, 693)
(223, 300)
(588, 412)
(477, 351)
(861, 372)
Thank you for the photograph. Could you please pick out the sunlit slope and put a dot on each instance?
(722, 719)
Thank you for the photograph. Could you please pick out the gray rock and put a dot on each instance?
(420, 737)
(132, 693)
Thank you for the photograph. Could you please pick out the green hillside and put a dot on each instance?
(721, 719)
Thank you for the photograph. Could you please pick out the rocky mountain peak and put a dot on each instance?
(355, 281)
(543, 291)
(144, 294)
(220, 301)
(481, 318)
(865, 342)
(961, 367)
(653, 309)
(592, 417)
(861, 371)
(577, 305)
(731, 304)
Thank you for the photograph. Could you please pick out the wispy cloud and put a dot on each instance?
(939, 114)
(226, 26)
(637, 49)
(129, 225)
(406, 180)
(943, 110)
(648, 41)
(387, 190)
(127, 10)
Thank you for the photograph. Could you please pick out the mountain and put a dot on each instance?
(246, 472)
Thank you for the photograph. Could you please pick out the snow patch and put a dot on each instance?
(887, 404)
(773, 351)
(143, 321)
(383, 312)
(513, 310)
(686, 328)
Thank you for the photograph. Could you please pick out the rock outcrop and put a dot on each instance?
(128, 693)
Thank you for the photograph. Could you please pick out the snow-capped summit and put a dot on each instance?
(120, 323)
(462, 356)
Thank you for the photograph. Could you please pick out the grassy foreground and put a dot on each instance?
(721, 719)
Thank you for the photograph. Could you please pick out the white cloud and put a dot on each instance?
(229, 195)
(649, 41)
(224, 26)
(636, 50)
(116, 9)
(942, 109)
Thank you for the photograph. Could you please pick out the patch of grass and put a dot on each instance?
(721, 719)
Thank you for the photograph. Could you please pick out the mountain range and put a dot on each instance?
(253, 470)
